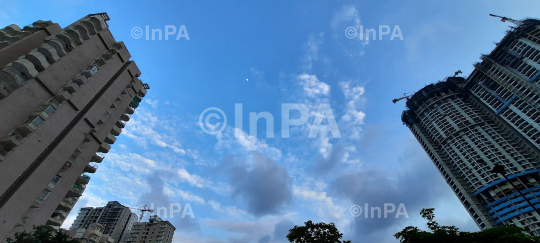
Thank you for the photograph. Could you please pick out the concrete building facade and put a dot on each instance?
(92, 234)
(64, 96)
(155, 230)
(467, 126)
(116, 219)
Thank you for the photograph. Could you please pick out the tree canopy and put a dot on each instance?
(41, 234)
(451, 234)
(315, 233)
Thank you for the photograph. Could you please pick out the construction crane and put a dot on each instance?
(504, 19)
(141, 209)
(405, 96)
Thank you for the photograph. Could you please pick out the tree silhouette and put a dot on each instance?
(451, 234)
(41, 234)
(315, 233)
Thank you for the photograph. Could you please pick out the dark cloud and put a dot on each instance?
(326, 165)
(265, 239)
(265, 185)
(157, 198)
(281, 230)
(416, 183)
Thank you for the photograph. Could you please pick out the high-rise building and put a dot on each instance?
(92, 234)
(467, 126)
(64, 95)
(116, 219)
(154, 231)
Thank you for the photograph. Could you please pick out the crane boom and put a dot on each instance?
(504, 19)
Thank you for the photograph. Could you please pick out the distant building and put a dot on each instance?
(93, 234)
(64, 95)
(116, 219)
(467, 126)
(154, 231)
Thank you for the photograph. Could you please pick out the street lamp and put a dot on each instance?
(499, 169)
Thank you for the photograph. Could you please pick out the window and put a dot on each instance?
(50, 110)
(55, 181)
(93, 70)
(34, 122)
(43, 196)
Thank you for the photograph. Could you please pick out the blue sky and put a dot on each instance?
(263, 54)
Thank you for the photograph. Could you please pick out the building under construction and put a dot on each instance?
(468, 126)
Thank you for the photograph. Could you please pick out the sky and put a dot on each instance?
(235, 185)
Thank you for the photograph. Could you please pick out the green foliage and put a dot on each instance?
(41, 234)
(315, 233)
(451, 234)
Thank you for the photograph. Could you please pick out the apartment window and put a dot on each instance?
(93, 70)
(75, 155)
(50, 110)
(43, 196)
(55, 181)
(34, 122)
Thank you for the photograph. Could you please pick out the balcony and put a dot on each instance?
(120, 124)
(110, 139)
(116, 130)
(3, 154)
(76, 191)
(83, 179)
(11, 141)
(133, 104)
(57, 218)
(142, 92)
(71, 87)
(90, 168)
(96, 158)
(104, 148)
(67, 204)
(129, 110)
(124, 117)
(62, 96)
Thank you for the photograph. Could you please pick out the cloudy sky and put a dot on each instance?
(262, 54)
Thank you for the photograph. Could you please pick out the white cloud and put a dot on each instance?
(141, 129)
(312, 86)
(347, 14)
(256, 72)
(312, 48)
(230, 211)
(353, 117)
(322, 204)
(193, 179)
(227, 141)
(153, 103)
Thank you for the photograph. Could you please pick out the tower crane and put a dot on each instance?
(405, 96)
(141, 209)
(504, 19)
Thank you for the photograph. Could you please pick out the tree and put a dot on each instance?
(451, 234)
(315, 233)
(41, 234)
